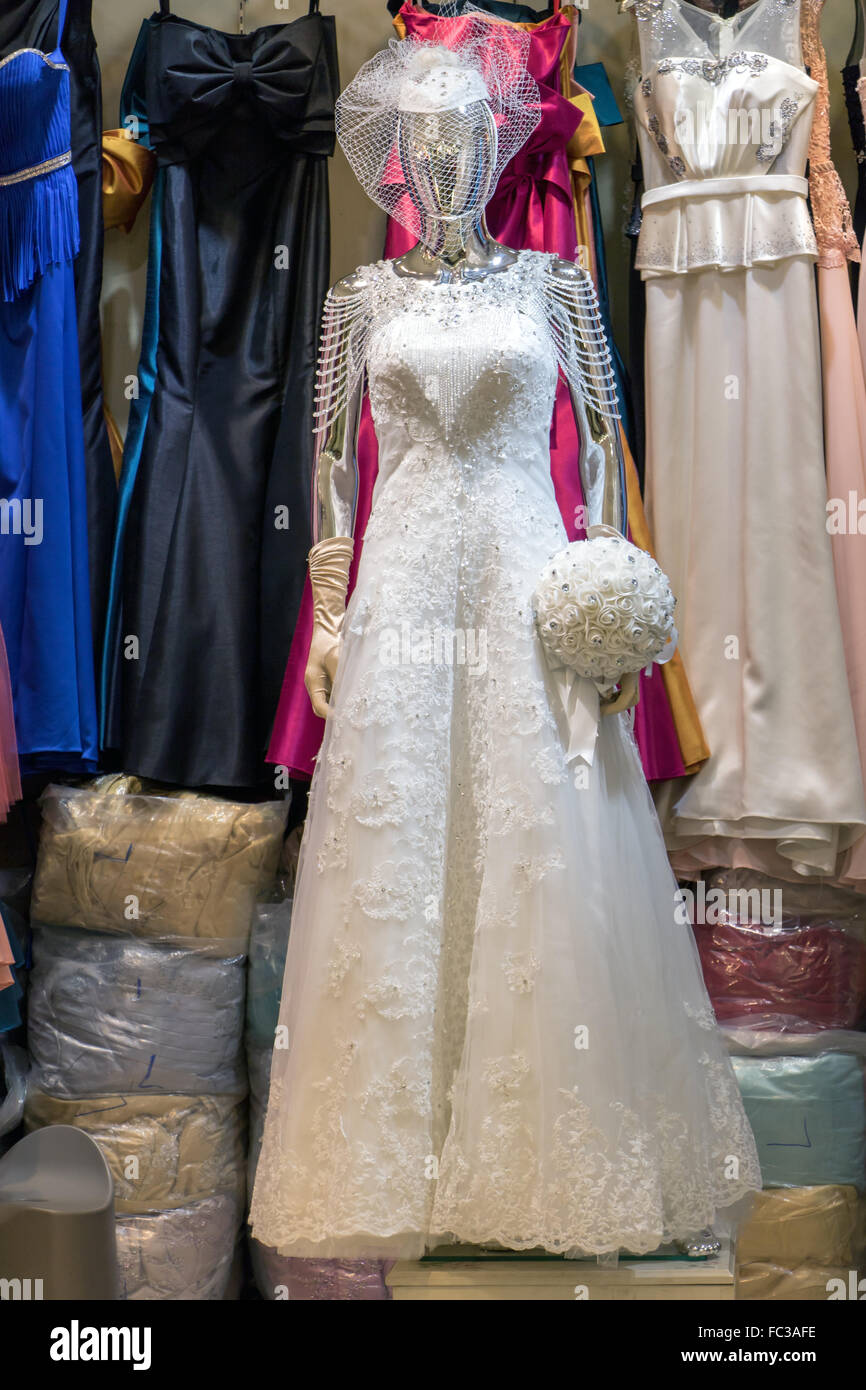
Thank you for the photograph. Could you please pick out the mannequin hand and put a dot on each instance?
(629, 694)
(329, 579)
(322, 668)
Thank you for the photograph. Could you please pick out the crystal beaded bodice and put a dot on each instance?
(466, 370)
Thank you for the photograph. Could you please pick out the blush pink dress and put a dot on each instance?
(844, 388)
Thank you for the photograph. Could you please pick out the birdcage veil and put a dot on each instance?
(475, 85)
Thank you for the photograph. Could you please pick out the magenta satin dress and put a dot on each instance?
(532, 209)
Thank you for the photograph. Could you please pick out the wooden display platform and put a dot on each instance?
(465, 1273)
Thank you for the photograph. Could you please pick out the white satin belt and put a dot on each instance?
(714, 188)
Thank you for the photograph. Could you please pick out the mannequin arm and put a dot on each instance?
(602, 461)
(593, 399)
(339, 392)
(602, 466)
(335, 473)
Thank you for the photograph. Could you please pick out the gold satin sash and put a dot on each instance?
(127, 174)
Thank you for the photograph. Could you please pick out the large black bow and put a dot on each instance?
(198, 79)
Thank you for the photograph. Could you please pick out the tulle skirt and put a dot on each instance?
(493, 1025)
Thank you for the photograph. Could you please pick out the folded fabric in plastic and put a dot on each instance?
(750, 896)
(111, 1014)
(184, 1254)
(259, 1071)
(164, 1151)
(798, 1225)
(811, 1282)
(177, 868)
(808, 1115)
(807, 976)
(269, 940)
(285, 1277)
(13, 1089)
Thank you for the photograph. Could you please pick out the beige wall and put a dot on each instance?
(363, 26)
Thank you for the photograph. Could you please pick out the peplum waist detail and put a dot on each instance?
(727, 223)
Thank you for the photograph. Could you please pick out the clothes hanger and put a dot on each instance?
(242, 13)
(858, 42)
(556, 5)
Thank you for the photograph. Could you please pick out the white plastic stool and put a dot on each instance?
(57, 1218)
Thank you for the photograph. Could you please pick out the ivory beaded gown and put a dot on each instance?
(736, 490)
(465, 908)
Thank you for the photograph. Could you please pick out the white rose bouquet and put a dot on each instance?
(605, 609)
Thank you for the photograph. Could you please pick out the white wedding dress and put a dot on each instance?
(497, 1030)
(735, 489)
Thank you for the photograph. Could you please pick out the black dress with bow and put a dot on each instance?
(218, 472)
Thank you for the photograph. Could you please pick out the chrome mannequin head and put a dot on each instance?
(448, 160)
(447, 145)
(429, 127)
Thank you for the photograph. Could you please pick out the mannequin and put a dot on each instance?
(448, 161)
(469, 897)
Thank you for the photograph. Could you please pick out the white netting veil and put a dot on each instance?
(428, 128)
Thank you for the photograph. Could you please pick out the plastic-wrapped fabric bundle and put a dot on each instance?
(791, 1226)
(807, 1282)
(109, 1015)
(805, 1100)
(13, 1089)
(269, 940)
(808, 978)
(283, 1277)
(801, 968)
(180, 868)
(187, 1147)
(259, 1070)
(184, 1254)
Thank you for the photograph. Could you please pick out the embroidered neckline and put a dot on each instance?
(713, 70)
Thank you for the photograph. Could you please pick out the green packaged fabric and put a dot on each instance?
(809, 1117)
